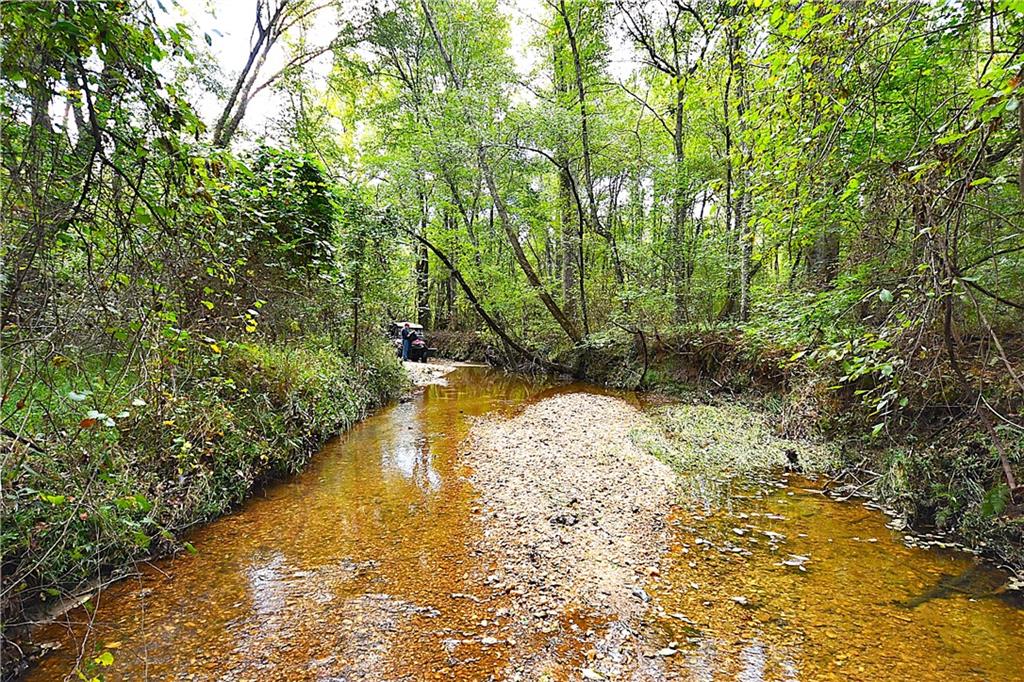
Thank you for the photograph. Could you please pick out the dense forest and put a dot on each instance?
(818, 197)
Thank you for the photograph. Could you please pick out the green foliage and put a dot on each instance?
(291, 200)
(258, 411)
(173, 321)
(820, 194)
(763, 166)
(951, 486)
(995, 501)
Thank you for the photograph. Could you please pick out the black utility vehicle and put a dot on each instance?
(419, 351)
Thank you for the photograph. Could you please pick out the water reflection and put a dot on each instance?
(753, 657)
(408, 451)
(266, 589)
(323, 575)
(864, 607)
(701, 663)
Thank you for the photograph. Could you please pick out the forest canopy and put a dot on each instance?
(836, 182)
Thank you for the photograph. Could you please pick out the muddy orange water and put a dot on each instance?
(367, 566)
(778, 582)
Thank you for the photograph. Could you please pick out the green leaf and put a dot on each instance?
(950, 137)
(66, 27)
(141, 539)
(851, 188)
(995, 500)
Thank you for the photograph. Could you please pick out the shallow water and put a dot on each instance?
(865, 606)
(366, 566)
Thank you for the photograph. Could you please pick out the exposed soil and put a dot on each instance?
(576, 511)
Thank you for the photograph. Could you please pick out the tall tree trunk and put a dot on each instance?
(1020, 133)
(234, 109)
(823, 258)
(569, 224)
(357, 293)
(681, 266)
(588, 172)
(423, 269)
(737, 185)
(744, 197)
(449, 299)
(499, 203)
(730, 209)
(746, 246)
(581, 94)
(356, 299)
(445, 317)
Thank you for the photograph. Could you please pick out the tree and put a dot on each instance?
(675, 47)
(275, 19)
(500, 206)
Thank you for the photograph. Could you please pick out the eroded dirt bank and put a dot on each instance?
(576, 513)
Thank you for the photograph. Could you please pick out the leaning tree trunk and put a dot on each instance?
(491, 323)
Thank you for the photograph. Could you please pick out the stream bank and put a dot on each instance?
(921, 451)
(255, 413)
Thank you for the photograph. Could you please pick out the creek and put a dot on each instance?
(367, 566)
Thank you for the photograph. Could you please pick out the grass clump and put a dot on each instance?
(727, 439)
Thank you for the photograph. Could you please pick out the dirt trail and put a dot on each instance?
(576, 511)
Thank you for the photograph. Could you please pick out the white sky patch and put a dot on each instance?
(525, 18)
(229, 25)
(527, 23)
